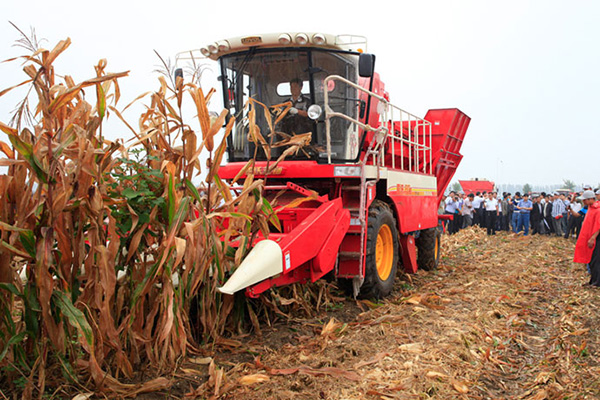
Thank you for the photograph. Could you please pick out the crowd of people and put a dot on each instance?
(555, 213)
(566, 215)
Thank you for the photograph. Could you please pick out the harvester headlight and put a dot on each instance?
(319, 39)
(205, 52)
(301, 39)
(224, 46)
(213, 48)
(314, 111)
(285, 39)
(346, 171)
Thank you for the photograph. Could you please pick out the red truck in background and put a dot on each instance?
(477, 185)
(373, 173)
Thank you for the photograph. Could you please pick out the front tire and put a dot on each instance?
(428, 247)
(382, 252)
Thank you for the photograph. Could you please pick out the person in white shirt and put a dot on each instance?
(451, 209)
(575, 218)
(467, 211)
(477, 218)
(491, 211)
(499, 219)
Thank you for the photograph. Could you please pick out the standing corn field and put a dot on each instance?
(106, 246)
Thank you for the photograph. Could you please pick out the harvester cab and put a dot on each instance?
(358, 196)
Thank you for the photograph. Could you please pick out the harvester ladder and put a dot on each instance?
(419, 152)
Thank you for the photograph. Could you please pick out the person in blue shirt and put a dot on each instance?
(515, 212)
(524, 206)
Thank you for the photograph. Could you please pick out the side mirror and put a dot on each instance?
(178, 74)
(366, 65)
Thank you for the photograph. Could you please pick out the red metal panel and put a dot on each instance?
(415, 212)
(325, 260)
(348, 266)
(448, 131)
(299, 275)
(285, 169)
(306, 241)
(409, 253)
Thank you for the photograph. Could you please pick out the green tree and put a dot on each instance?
(456, 187)
(526, 188)
(568, 184)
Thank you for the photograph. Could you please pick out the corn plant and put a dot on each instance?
(106, 246)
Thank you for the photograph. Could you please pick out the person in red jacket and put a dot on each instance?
(587, 249)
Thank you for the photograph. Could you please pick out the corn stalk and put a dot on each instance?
(106, 246)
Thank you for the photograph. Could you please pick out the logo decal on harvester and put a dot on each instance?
(408, 190)
(400, 190)
(252, 40)
(288, 263)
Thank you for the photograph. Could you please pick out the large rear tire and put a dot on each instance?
(428, 247)
(382, 252)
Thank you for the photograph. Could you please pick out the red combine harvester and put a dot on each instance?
(365, 191)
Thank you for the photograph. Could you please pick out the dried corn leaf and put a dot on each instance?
(253, 378)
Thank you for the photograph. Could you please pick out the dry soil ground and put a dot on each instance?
(504, 317)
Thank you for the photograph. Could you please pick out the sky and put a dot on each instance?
(526, 72)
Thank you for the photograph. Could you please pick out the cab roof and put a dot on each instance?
(350, 43)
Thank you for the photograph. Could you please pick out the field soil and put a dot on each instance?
(504, 317)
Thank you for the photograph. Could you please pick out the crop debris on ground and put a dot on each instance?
(504, 316)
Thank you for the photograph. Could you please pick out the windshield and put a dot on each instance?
(274, 77)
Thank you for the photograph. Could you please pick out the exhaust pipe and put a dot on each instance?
(264, 261)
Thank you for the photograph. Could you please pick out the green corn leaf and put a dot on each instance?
(28, 241)
(75, 317)
(67, 369)
(138, 290)
(32, 310)
(8, 227)
(9, 324)
(217, 262)
(101, 101)
(14, 249)
(273, 218)
(225, 192)
(26, 150)
(241, 215)
(9, 287)
(11, 342)
(71, 136)
(39, 171)
(171, 202)
(193, 190)
(26, 236)
(181, 214)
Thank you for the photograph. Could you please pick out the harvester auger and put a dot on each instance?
(371, 179)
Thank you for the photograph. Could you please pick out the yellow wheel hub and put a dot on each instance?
(437, 249)
(384, 252)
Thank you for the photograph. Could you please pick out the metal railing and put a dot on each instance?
(417, 141)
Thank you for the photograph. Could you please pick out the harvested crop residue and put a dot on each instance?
(504, 317)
